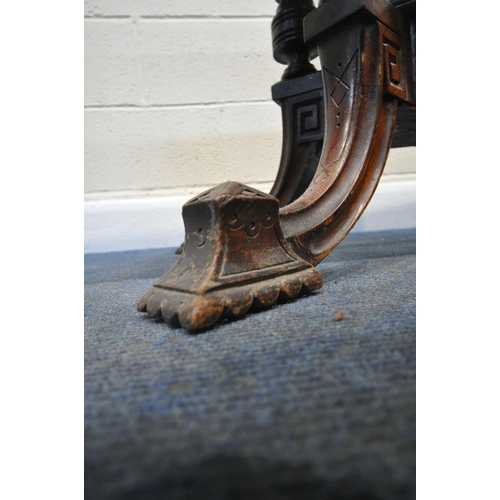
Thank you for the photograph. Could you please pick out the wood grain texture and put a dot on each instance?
(244, 248)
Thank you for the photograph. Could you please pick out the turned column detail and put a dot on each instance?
(288, 38)
(244, 248)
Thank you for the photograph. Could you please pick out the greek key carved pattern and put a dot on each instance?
(308, 119)
(394, 64)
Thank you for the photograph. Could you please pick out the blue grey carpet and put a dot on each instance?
(285, 403)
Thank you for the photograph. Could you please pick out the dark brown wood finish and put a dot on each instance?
(288, 40)
(301, 102)
(234, 256)
(366, 71)
(244, 248)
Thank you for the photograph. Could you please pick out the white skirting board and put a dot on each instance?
(156, 222)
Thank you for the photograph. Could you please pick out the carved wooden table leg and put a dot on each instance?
(234, 256)
(240, 248)
(364, 49)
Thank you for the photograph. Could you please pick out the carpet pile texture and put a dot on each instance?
(284, 403)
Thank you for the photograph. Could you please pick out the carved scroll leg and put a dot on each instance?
(364, 51)
(235, 257)
(240, 249)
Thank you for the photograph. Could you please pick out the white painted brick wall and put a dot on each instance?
(177, 100)
(177, 94)
(180, 8)
(170, 147)
(210, 60)
(112, 63)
